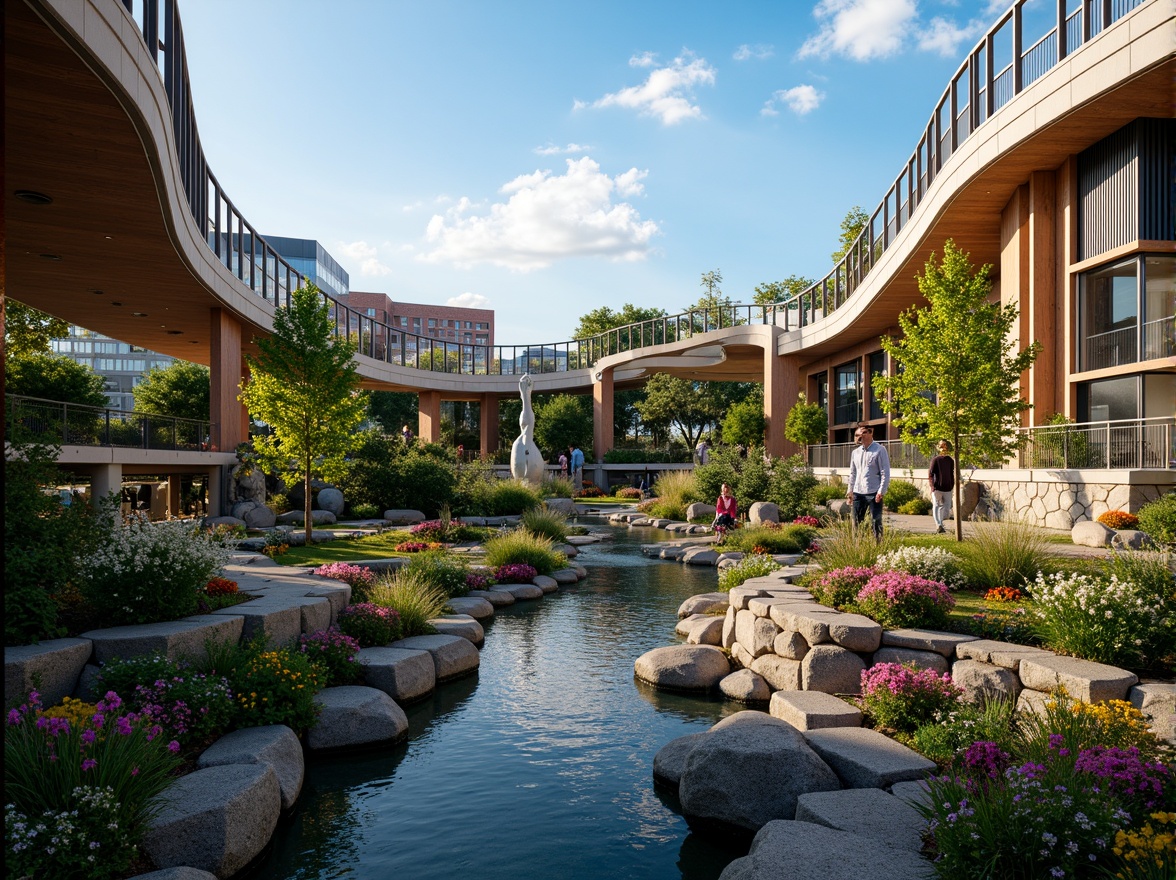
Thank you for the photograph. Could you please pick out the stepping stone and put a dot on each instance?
(545, 583)
(866, 758)
(353, 716)
(473, 606)
(459, 625)
(521, 592)
(869, 812)
(745, 686)
(926, 640)
(497, 598)
(983, 682)
(402, 673)
(920, 659)
(832, 669)
(709, 632)
(670, 759)
(913, 792)
(683, 667)
(813, 710)
(453, 656)
(566, 576)
(52, 668)
(404, 517)
(1157, 701)
(997, 653)
(274, 744)
(581, 571)
(217, 819)
(703, 603)
(174, 639)
(824, 854)
(1083, 679)
(700, 556)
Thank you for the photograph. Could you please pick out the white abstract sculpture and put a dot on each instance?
(526, 461)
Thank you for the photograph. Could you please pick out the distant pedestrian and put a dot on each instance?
(941, 475)
(563, 464)
(576, 463)
(869, 478)
(406, 433)
(702, 451)
(726, 510)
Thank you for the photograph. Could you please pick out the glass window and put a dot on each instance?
(1109, 400)
(1159, 307)
(1108, 316)
(823, 391)
(877, 368)
(847, 402)
(371, 313)
(432, 322)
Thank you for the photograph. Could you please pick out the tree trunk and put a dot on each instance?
(955, 461)
(308, 522)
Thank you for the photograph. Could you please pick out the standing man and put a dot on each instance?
(941, 475)
(869, 478)
(702, 451)
(576, 463)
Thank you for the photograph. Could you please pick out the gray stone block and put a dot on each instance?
(404, 517)
(565, 576)
(745, 686)
(174, 639)
(756, 634)
(279, 620)
(670, 760)
(855, 632)
(51, 667)
(821, 853)
(925, 640)
(216, 819)
(763, 512)
(497, 598)
(459, 625)
(780, 673)
(700, 556)
(704, 603)
(683, 667)
(728, 639)
(184, 873)
(1083, 679)
(921, 659)
(984, 682)
(331, 499)
(356, 716)
(545, 583)
(738, 597)
(747, 774)
(791, 645)
(913, 792)
(832, 669)
(1003, 654)
(274, 745)
(453, 656)
(1032, 701)
(522, 592)
(869, 812)
(474, 606)
(403, 674)
(813, 710)
(89, 687)
(1092, 534)
(866, 758)
(1157, 701)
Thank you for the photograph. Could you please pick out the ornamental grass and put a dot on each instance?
(1004, 553)
(415, 599)
(544, 522)
(844, 545)
(792, 538)
(520, 546)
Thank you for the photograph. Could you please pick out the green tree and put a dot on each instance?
(681, 403)
(303, 384)
(55, 377)
(561, 421)
(180, 390)
(28, 331)
(772, 292)
(852, 224)
(806, 423)
(603, 319)
(394, 409)
(714, 303)
(958, 377)
(744, 422)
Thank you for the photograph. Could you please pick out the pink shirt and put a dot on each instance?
(726, 504)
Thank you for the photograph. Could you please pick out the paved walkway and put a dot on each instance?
(925, 525)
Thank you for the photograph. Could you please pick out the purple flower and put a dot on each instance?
(173, 747)
(89, 764)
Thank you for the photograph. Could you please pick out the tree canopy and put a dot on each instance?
(54, 377)
(562, 420)
(303, 384)
(687, 406)
(394, 409)
(958, 375)
(28, 331)
(806, 423)
(599, 320)
(771, 292)
(180, 390)
(852, 224)
(744, 422)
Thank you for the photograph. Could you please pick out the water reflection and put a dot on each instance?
(539, 766)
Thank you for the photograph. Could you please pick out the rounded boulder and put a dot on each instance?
(683, 667)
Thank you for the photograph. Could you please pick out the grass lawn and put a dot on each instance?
(345, 550)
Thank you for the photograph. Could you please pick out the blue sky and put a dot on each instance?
(547, 158)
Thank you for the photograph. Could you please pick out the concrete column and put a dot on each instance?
(488, 423)
(104, 479)
(173, 494)
(602, 414)
(429, 419)
(1042, 305)
(226, 412)
(217, 481)
(781, 389)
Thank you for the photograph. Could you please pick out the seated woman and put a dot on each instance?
(726, 509)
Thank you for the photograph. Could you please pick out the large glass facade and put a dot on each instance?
(847, 393)
(877, 368)
(1159, 307)
(1110, 330)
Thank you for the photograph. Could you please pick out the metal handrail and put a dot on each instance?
(71, 424)
(257, 265)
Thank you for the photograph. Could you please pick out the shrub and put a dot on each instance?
(436, 529)
(279, 503)
(899, 493)
(372, 625)
(915, 507)
(417, 546)
(515, 573)
(1003, 553)
(557, 487)
(414, 599)
(903, 697)
(674, 491)
(745, 569)
(220, 586)
(512, 497)
(784, 539)
(442, 570)
(359, 577)
(1118, 519)
(950, 732)
(708, 479)
(590, 490)
(546, 523)
(791, 486)
(933, 563)
(190, 705)
(1158, 519)
(335, 653)
(896, 599)
(753, 482)
(365, 510)
(844, 545)
(53, 767)
(277, 542)
(278, 687)
(385, 474)
(479, 581)
(823, 493)
(628, 493)
(145, 572)
(839, 587)
(1115, 621)
(519, 545)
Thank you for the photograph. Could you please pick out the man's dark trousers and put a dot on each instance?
(863, 502)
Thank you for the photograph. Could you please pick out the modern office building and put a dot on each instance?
(447, 323)
(120, 364)
(312, 260)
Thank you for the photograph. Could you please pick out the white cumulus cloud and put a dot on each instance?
(667, 93)
(800, 99)
(367, 255)
(546, 217)
(945, 37)
(758, 52)
(554, 150)
(859, 29)
(468, 300)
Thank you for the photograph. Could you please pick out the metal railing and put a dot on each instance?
(973, 95)
(1129, 444)
(70, 424)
